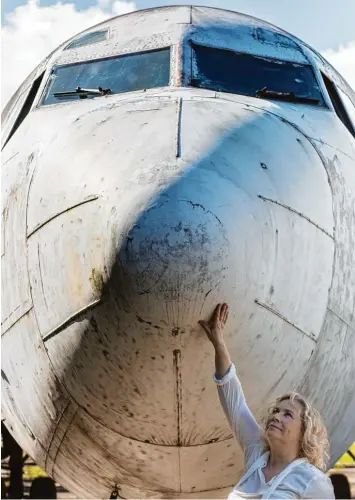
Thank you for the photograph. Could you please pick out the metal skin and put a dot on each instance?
(127, 218)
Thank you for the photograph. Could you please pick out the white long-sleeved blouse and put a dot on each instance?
(300, 480)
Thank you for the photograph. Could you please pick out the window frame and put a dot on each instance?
(116, 56)
(25, 102)
(188, 78)
(70, 46)
(337, 103)
(344, 97)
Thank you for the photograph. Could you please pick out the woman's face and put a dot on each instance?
(284, 426)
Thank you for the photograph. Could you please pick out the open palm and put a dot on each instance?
(215, 325)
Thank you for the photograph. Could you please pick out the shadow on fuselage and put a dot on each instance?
(180, 255)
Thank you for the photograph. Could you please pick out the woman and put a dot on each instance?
(285, 457)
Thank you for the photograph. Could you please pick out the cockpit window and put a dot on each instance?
(119, 74)
(88, 39)
(245, 74)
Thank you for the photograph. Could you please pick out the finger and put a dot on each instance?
(226, 316)
(217, 314)
(225, 312)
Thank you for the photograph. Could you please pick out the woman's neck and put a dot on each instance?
(280, 458)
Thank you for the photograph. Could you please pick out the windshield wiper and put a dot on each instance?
(264, 93)
(82, 93)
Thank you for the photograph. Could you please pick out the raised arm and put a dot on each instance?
(230, 391)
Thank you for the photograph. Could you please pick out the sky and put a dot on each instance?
(31, 29)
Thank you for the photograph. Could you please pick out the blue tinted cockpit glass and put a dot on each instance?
(245, 74)
(126, 73)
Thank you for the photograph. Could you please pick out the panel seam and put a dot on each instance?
(273, 311)
(39, 226)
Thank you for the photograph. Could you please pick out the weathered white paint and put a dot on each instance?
(126, 218)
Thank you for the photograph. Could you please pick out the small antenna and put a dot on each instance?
(114, 493)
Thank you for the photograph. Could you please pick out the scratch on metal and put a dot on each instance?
(273, 311)
(64, 435)
(39, 226)
(178, 387)
(9, 159)
(40, 276)
(18, 319)
(142, 110)
(341, 319)
(296, 212)
(74, 317)
(178, 128)
(54, 432)
(28, 194)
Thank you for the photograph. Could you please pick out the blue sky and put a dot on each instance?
(31, 29)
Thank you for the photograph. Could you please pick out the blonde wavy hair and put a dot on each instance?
(314, 446)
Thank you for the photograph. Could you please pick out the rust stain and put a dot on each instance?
(141, 320)
(96, 281)
(5, 213)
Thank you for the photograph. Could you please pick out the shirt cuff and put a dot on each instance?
(227, 377)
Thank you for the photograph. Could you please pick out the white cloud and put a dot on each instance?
(119, 7)
(32, 31)
(343, 60)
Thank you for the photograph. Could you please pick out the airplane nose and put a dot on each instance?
(228, 204)
(241, 223)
